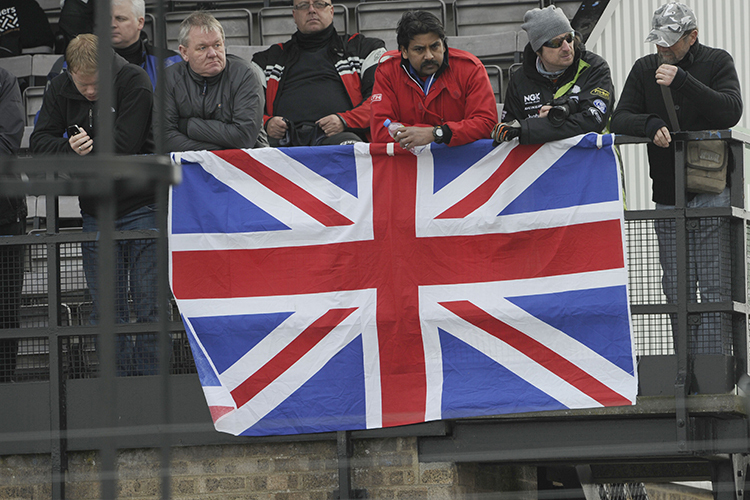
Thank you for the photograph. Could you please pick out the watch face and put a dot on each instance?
(438, 132)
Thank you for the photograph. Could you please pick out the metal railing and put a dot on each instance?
(57, 352)
(712, 340)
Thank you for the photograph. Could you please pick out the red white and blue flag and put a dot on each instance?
(348, 287)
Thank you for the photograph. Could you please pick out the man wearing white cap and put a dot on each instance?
(705, 90)
(561, 91)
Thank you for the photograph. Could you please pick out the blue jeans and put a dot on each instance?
(136, 281)
(709, 271)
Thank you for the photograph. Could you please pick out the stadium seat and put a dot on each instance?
(569, 7)
(496, 80)
(379, 19)
(522, 40)
(41, 64)
(49, 4)
(276, 24)
(149, 28)
(245, 51)
(27, 130)
(32, 101)
(492, 48)
(19, 66)
(513, 68)
(237, 24)
(478, 17)
(41, 49)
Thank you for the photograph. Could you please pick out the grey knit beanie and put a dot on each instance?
(545, 24)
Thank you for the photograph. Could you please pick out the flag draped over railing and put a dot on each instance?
(343, 287)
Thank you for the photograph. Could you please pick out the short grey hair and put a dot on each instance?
(138, 7)
(199, 19)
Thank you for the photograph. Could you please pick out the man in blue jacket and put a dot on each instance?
(129, 41)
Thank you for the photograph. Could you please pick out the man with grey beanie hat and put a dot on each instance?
(545, 24)
(561, 90)
(705, 91)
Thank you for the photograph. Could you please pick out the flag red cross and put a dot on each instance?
(395, 263)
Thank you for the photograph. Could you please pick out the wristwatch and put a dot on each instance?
(437, 133)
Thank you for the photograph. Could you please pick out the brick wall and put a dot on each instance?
(25, 477)
(386, 468)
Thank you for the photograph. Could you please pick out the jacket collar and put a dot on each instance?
(136, 53)
(689, 58)
(209, 80)
(315, 40)
(298, 41)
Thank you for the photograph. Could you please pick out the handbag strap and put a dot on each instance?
(667, 95)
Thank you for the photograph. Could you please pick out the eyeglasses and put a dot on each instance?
(316, 5)
(556, 43)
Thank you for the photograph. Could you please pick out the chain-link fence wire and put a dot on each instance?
(651, 251)
(136, 354)
(24, 359)
(24, 304)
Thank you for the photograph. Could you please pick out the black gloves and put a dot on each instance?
(504, 132)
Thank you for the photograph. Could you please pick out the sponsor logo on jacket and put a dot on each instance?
(600, 92)
(532, 98)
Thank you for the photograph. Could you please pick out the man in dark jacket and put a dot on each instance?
(70, 105)
(213, 101)
(12, 223)
(318, 84)
(561, 91)
(705, 89)
(129, 41)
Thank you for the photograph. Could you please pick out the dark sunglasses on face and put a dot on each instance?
(556, 43)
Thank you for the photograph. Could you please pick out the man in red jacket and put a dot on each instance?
(438, 95)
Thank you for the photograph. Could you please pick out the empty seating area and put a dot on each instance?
(379, 19)
(490, 29)
(265, 22)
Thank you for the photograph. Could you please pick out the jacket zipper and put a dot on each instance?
(203, 94)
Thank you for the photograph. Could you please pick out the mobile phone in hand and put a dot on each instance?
(74, 130)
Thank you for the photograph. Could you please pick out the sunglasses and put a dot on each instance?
(556, 43)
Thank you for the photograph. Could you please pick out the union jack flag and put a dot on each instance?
(355, 287)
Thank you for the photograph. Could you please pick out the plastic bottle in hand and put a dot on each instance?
(393, 130)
